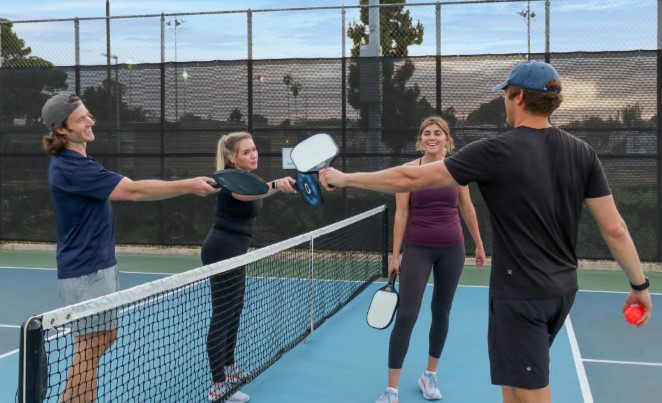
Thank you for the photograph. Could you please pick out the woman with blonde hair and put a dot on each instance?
(428, 224)
(230, 236)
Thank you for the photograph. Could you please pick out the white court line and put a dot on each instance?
(579, 364)
(5, 355)
(11, 326)
(52, 269)
(28, 268)
(615, 292)
(59, 333)
(650, 364)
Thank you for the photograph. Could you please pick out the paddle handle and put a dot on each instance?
(391, 280)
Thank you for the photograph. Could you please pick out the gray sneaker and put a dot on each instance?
(388, 396)
(217, 392)
(234, 374)
(429, 387)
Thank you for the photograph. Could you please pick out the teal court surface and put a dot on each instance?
(597, 357)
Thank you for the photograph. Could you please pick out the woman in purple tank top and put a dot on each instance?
(427, 225)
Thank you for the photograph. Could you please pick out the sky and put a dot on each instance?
(466, 29)
(576, 25)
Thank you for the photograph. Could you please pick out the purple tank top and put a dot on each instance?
(433, 218)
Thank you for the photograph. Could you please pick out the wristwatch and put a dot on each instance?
(641, 287)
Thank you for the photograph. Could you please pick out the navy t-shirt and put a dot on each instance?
(80, 188)
(534, 182)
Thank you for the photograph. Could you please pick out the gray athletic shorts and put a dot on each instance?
(79, 289)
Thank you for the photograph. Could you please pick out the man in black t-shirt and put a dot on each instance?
(535, 180)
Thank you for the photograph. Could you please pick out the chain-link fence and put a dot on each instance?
(162, 119)
(445, 28)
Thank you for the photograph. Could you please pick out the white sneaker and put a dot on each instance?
(216, 392)
(428, 384)
(389, 396)
(238, 397)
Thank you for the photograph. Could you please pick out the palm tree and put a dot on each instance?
(295, 87)
(287, 80)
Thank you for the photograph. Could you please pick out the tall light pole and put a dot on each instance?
(176, 23)
(528, 14)
(108, 37)
(130, 65)
(260, 79)
(116, 87)
(185, 77)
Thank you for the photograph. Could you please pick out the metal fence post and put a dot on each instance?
(343, 104)
(659, 131)
(438, 55)
(1, 25)
(547, 10)
(77, 51)
(163, 128)
(249, 65)
(1, 148)
(385, 231)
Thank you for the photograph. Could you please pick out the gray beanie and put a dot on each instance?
(57, 109)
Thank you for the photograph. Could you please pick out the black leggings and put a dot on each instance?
(227, 299)
(417, 262)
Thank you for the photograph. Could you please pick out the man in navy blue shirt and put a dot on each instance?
(82, 191)
(535, 180)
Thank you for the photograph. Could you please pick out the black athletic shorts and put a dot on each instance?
(520, 334)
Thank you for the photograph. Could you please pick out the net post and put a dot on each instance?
(385, 242)
(32, 367)
(311, 289)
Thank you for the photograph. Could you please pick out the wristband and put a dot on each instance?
(273, 185)
(641, 287)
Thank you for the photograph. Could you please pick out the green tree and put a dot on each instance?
(631, 115)
(235, 116)
(295, 88)
(450, 116)
(402, 106)
(14, 52)
(397, 31)
(24, 90)
(489, 113)
(593, 122)
(102, 101)
(653, 120)
(287, 80)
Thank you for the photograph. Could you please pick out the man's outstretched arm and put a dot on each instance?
(392, 180)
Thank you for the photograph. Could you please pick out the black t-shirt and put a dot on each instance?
(534, 182)
(236, 217)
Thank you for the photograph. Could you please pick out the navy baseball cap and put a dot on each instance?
(57, 109)
(531, 75)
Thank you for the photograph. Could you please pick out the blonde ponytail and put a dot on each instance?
(226, 150)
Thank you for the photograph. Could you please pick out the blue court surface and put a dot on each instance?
(596, 358)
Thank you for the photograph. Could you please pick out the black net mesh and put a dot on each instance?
(163, 121)
(166, 332)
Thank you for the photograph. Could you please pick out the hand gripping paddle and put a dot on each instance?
(383, 306)
(308, 187)
(309, 156)
(241, 182)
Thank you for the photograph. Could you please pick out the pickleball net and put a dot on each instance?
(160, 353)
